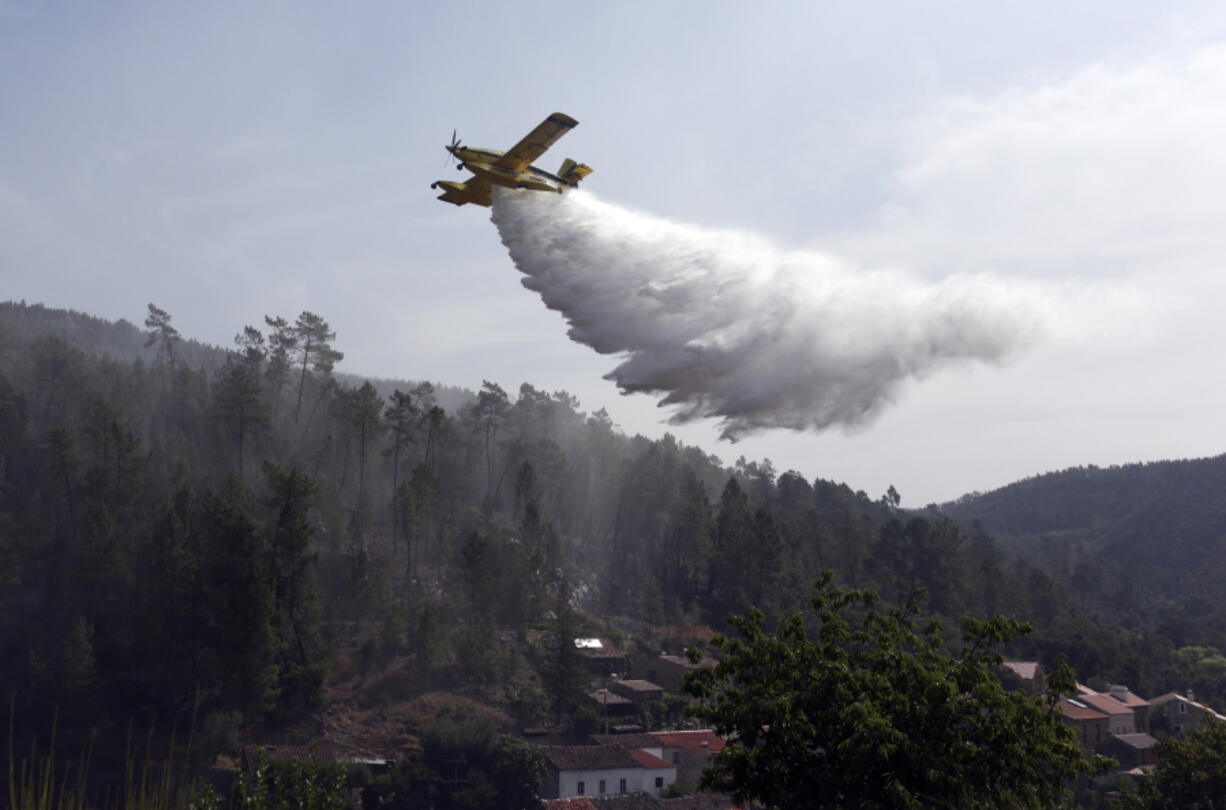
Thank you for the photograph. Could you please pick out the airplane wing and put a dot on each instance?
(476, 190)
(453, 197)
(536, 142)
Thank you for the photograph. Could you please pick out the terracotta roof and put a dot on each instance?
(568, 804)
(700, 801)
(691, 740)
(587, 757)
(647, 759)
(1105, 704)
(1076, 710)
(1023, 669)
(1128, 698)
(631, 801)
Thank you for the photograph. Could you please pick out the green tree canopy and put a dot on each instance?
(872, 712)
(1191, 773)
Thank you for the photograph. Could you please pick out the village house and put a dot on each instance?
(1091, 725)
(611, 704)
(1138, 704)
(602, 656)
(638, 691)
(1027, 675)
(1131, 750)
(1120, 718)
(1178, 714)
(689, 751)
(670, 670)
(603, 770)
(638, 740)
(1114, 723)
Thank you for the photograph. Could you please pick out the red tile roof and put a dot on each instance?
(631, 801)
(1128, 699)
(586, 757)
(647, 759)
(1105, 704)
(1078, 710)
(691, 740)
(568, 804)
(700, 801)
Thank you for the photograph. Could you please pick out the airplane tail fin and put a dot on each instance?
(573, 172)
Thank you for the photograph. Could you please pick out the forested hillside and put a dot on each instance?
(1139, 546)
(248, 535)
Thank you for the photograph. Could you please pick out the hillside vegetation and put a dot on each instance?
(249, 537)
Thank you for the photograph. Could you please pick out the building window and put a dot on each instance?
(579, 788)
(601, 786)
(1183, 708)
(659, 781)
(622, 786)
(676, 757)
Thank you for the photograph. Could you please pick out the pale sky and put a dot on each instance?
(231, 160)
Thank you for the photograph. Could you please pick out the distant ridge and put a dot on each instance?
(22, 323)
(1165, 519)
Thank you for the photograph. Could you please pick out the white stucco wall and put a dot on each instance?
(637, 780)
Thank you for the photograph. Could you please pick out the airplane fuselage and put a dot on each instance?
(512, 169)
(481, 162)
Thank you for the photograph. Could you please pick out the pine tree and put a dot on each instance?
(295, 609)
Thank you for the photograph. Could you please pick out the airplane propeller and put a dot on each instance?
(455, 142)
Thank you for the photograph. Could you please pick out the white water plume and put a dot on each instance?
(726, 325)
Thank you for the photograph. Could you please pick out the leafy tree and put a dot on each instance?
(872, 712)
(1191, 773)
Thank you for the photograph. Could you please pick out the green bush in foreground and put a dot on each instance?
(872, 712)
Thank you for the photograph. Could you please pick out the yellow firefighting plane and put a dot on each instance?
(512, 169)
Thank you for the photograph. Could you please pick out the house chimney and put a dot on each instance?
(1190, 695)
(1119, 692)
